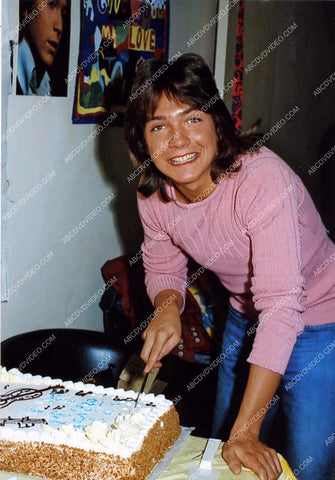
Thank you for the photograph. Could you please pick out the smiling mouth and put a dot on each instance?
(184, 159)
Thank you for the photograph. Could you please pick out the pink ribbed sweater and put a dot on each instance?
(260, 233)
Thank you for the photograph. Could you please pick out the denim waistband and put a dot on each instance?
(320, 328)
(241, 318)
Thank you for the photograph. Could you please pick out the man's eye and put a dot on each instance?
(193, 120)
(156, 128)
(51, 3)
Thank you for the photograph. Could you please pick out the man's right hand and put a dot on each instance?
(164, 331)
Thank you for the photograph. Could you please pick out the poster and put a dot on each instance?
(43, 48)
(116, 37)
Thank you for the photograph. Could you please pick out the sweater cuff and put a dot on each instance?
(166, 283)
(272, 349)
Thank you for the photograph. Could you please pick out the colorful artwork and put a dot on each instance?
(116, 37)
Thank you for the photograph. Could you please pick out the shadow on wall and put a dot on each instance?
(116, 166)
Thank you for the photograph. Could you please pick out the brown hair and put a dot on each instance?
(187, 80)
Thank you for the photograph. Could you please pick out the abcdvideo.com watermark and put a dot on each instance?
(321, 161)
(13, 33)
(200, 33)
(212, 259)
(31, 272)
(324, 85)
(143, 325)
(156, 238)
(274, 129)
(90, 137)
(136, 15)
(35, 353)
(82, 224)
(26, 116)
(268, 208)
(89, 59)
(32, 192)
(102, 365)
(329, 260)
(154, 76)
(317, 359)
(261, 412)
(207, 370)
(93, 298)
(286, 33)
(140, 169)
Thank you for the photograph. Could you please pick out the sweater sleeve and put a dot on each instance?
(268, 203)
(165, 264)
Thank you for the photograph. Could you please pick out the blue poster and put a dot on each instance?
(116, 37)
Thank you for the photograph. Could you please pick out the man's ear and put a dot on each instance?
(25, 13)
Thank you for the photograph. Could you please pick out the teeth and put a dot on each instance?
(184, 159)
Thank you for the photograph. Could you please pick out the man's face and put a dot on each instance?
(44, 31)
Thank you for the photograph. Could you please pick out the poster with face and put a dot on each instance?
(43, 50)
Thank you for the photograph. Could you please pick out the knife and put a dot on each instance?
(142, 388)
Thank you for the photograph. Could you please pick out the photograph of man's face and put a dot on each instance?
(43, 48)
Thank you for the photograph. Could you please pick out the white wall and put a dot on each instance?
(38, 147)
(187, 18)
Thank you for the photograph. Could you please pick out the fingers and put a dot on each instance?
(263, 461)
(157, 365)
(276, 461)
(262, 467)
(158, 350)
(233, 463)
(160, 337)
(151, 352)
(272, 461)
(169, 345)
(156, 346)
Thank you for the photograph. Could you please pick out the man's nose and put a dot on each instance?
(179, 138)
(58, 23)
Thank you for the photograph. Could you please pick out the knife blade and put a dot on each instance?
(142, 388)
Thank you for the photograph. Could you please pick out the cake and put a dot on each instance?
(76, 431)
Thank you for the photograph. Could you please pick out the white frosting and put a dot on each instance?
(41, 409)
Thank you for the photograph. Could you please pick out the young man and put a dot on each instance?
(43, 22)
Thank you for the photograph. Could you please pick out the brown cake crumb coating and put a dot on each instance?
(60, 462)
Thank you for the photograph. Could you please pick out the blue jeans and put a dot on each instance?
(306, 393)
